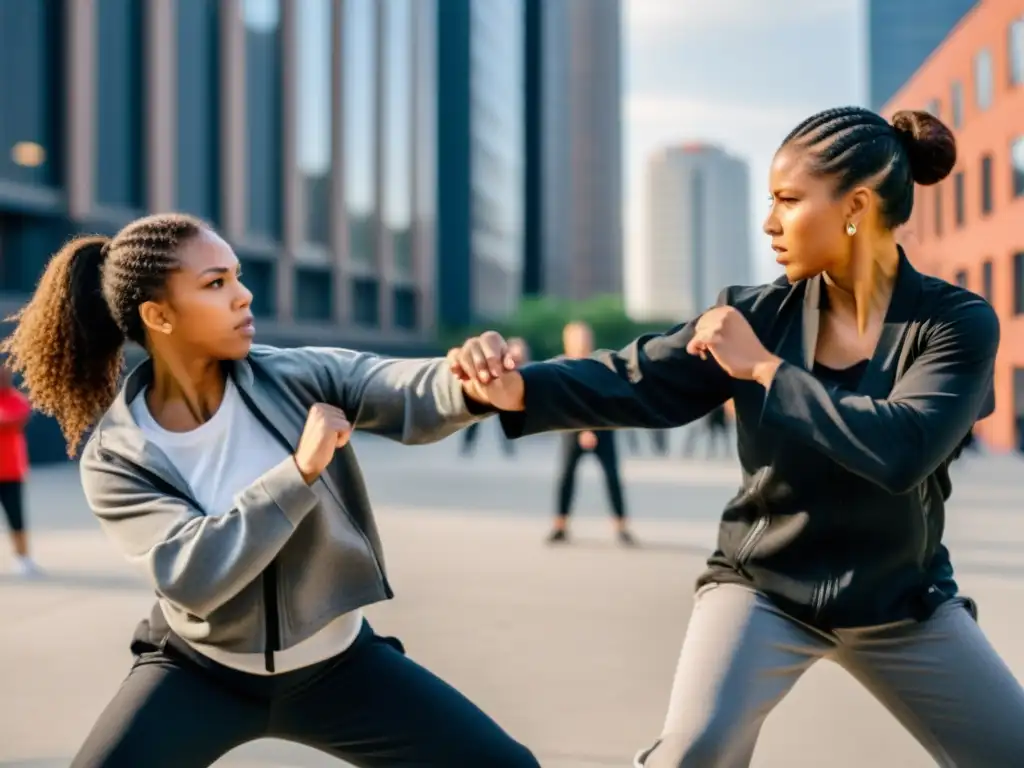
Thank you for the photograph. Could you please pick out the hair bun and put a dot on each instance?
(930, 145)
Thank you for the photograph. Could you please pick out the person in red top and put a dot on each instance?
(14, 413)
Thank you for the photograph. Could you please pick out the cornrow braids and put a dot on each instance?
(68, 342)
(856, 146)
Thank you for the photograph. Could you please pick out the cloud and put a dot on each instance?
(725, 15)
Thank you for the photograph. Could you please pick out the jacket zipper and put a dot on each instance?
(746, 547)
(270, 601)
(273, 631)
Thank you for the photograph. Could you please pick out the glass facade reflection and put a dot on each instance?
(31, 45)
(359, 72)
(120, 104)
(398, 134)
(198, 105)
(496, 154)
(313, 136)
(263, 118)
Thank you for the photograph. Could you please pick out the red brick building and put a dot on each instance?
(970, 228)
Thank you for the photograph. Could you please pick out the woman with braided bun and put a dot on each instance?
(223, 470)
(855, 378)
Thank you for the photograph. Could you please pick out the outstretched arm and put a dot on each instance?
(412, 401)
(652, 383)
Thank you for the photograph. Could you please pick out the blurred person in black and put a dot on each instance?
(579, 343)
(519, 351)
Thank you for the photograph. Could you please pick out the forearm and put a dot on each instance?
(894, 444)
(599, 393)
(200, 562)
(414, 401)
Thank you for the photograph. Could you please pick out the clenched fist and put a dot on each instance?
(487, 371)
(327, 429)
(725, 333)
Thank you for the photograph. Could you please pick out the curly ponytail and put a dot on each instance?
(69, 340)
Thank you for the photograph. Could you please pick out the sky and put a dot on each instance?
(738, 73)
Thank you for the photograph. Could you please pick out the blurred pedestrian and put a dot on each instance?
(15, 411)
(579, 343)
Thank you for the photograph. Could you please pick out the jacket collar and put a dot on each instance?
(119, 433)
(880, 373)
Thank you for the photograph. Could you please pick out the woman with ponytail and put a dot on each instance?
(223, 470)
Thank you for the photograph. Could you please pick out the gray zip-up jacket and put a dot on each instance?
(281, 564)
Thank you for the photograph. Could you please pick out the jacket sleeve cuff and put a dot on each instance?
(785, 399)
(286, 486)
(536, 415)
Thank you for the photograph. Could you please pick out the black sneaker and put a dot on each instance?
(626, 539)
(558, 537)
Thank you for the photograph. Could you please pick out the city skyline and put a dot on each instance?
(736, 73)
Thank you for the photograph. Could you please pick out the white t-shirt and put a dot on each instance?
(219, 459)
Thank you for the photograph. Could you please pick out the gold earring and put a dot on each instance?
(166, 328)
(851, 229)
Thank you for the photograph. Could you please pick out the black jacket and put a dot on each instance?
(840, 514)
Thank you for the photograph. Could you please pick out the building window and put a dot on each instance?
(938, 211)
(366, 302)
(398, 135)
(360, 75)
(120, 104)
(405, 307)
(1017, 159)
(31, 99)
(986, 184)
(986, 280)
(258, 276)
(1018, 283)
(935, 108)
(314, 293)
(198, 114)
(1017, 52)
(959, 214)
(957, 103)
(314, 134)
(961, 278)
(983, 78)
(262, 19)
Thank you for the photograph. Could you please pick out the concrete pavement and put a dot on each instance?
(571, 649)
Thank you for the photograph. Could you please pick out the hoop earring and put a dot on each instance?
(851, 229)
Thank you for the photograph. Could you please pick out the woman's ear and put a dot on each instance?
(155, 317)
(859, 203)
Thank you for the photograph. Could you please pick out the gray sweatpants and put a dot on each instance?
(940, 678)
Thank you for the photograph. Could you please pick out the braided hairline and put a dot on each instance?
(138, 261)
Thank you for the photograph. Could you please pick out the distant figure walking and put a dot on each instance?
(579, 343)
(14, 413)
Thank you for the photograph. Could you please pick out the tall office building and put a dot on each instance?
(480, 149)
(305, 131)
(698, 229)
(574, 233)
(901, 35)
(294, 127)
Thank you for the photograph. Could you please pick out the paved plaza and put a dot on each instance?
(571, 649)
